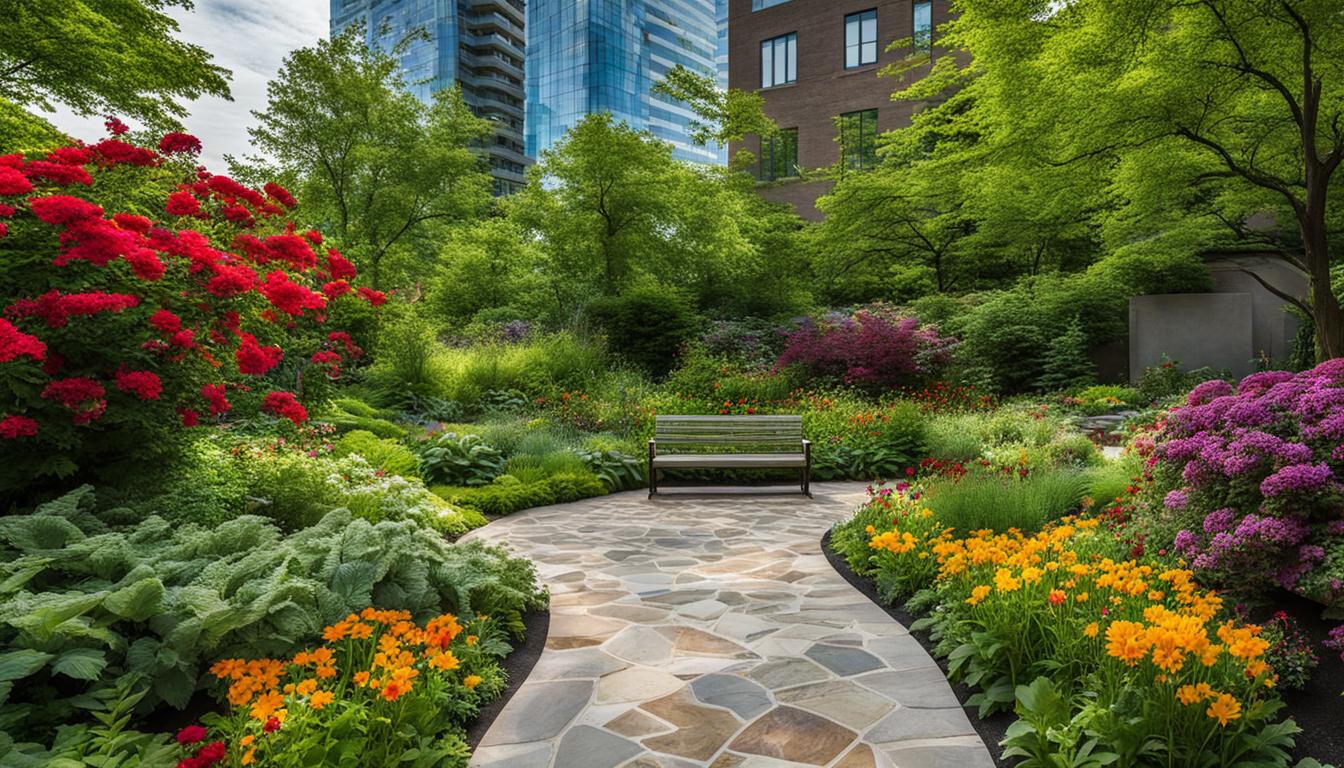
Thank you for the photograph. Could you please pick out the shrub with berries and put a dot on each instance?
(145, 295)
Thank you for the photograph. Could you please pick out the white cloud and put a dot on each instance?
(248, 37)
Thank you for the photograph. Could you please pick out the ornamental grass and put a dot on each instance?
(1153, 665)
(382, 691)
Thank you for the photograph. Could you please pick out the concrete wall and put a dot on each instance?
(1195, 329)
(1273, 329)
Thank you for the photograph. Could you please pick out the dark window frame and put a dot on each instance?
(772, 42)
(859, 17)
(921, 40)
(770, 162)
(856, 154)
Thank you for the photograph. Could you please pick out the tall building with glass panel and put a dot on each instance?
(478, 44)
(589, 56)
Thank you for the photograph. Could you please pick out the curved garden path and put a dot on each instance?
(711, 631)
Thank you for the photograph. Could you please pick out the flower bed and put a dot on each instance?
(1105, 657)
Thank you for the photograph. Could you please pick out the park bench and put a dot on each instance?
(737, 442)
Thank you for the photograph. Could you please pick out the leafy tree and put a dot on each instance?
(1224, 108)
(724, 115)
(103, 56)
(611, 204)
(382, 171)
(491, 265)
(1067, 363)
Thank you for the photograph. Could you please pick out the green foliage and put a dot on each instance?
(1066, 362)
(118, 58)
(1168, 380)
(724, 116)
(507, 495)
(82, 603)
(647, 326)
(954, 437)
(864, 445)
(620, 471)
(459, 460)
(386, 170)
(389, 456)
(538, 367)
(404, 359)
(997, 502)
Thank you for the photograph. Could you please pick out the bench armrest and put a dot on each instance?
(653, 448)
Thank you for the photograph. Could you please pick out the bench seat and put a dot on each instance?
(730, 460)
(760, 442)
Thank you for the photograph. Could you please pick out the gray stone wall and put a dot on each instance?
(1196, 329)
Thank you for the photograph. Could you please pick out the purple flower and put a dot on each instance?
(1335, 527)
(1186, 542)
(1176, 500)
(1206, 392)
(1219, 520)
(1297, 478)
(1258, 383)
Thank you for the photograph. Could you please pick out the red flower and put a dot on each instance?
(289, 297)
(15, 427)
(81, 395)
(293, 250)
(229, 190)
(183, 203)
(231, 280)
(283, 405)
(279, 194)
(190, 418)
(191, 734)
(212, 753)
(132, 222)
(272, 725)
(63, 210)
(115, 126)
(340, 267)
(313, 236)
(145, 264)
(214, 395)
(375, 298)
(254, 359)
(70, 155)
(176, 142)
(238, 215)
(185, 338)
(116, 152)
(58, 173)
(56, 308)
(15, 344)
(343, 338)
(165, 322)
(143, 384)
(6, 210)
(336, 288)
(13, 183)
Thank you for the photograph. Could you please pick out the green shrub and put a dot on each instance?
(954, 437)
(404, 359)
(647, 326)
(854, 442)
(1066, 363)
(505, 498)
(293, 490)
(983, 500)
(533, 467)
(205, 485)
(459, 460)
(1110, 480)
(534, 368)
(388, 455)
(618, 470)
(84, 603)
(347, 414)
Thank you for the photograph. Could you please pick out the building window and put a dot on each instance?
(779, 155)
(760, 5)
(860, 39)
(779, 60)
(858, 139)
(923, 25)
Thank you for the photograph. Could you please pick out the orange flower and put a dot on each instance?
(321, 699)
(445, 661)
(361, 678)
(361, 632)
(266, 704)
(1091, 630)
(471, 681)
(1127, 641)
(249, 757)
(247, 740)
(326, 673)
(1057, 597)
(1224, 709)
(306, 687)
(335, 633)
(472, 639)
(394, 690)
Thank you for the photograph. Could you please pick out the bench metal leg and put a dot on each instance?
(653, 481)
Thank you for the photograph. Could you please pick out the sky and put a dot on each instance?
(248, 37)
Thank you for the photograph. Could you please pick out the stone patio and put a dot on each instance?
(711, 631)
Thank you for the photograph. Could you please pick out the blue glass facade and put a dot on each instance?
(478, 44)
(589, 56)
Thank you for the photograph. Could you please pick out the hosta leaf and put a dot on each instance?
(80, 664)
(137, 602)
(175, 686)
(38, 533)
(354, 581)
(16, 665)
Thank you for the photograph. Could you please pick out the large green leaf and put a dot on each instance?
(138, 601)
(80, 664)
(16, 665)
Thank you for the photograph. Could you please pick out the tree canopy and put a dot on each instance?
(116, 57)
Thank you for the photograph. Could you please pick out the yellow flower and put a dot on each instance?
(978, 594)
(1004, 581)
(306, 687)
(1127, 641)
(1224, 709)
(247, 740)
(1091, 629)
(1080, 597)
(472, 639)
(471, 681)
(445, 661)
(249, 757)
(1187, 695)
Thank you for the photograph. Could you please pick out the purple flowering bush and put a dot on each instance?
(875, 348)
(1248, 482)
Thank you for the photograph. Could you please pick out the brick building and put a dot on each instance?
(815, 61)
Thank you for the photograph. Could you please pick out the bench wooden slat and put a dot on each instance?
(765, 442)
(729, 460)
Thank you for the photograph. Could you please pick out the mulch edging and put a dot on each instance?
(991, 729)
(517, 666)
(1318, 709)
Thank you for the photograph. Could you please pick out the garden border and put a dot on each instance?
(517, 666)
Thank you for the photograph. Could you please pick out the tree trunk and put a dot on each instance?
(1325, 307)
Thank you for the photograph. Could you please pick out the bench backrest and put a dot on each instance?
(780, 434)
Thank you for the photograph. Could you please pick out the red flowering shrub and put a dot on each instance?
(874, 348)
(144, 294)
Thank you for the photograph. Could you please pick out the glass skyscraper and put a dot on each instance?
(589, 56)
(479, 44)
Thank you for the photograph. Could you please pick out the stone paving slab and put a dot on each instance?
(711, 632)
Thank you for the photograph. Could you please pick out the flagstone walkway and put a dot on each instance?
(711, 631)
